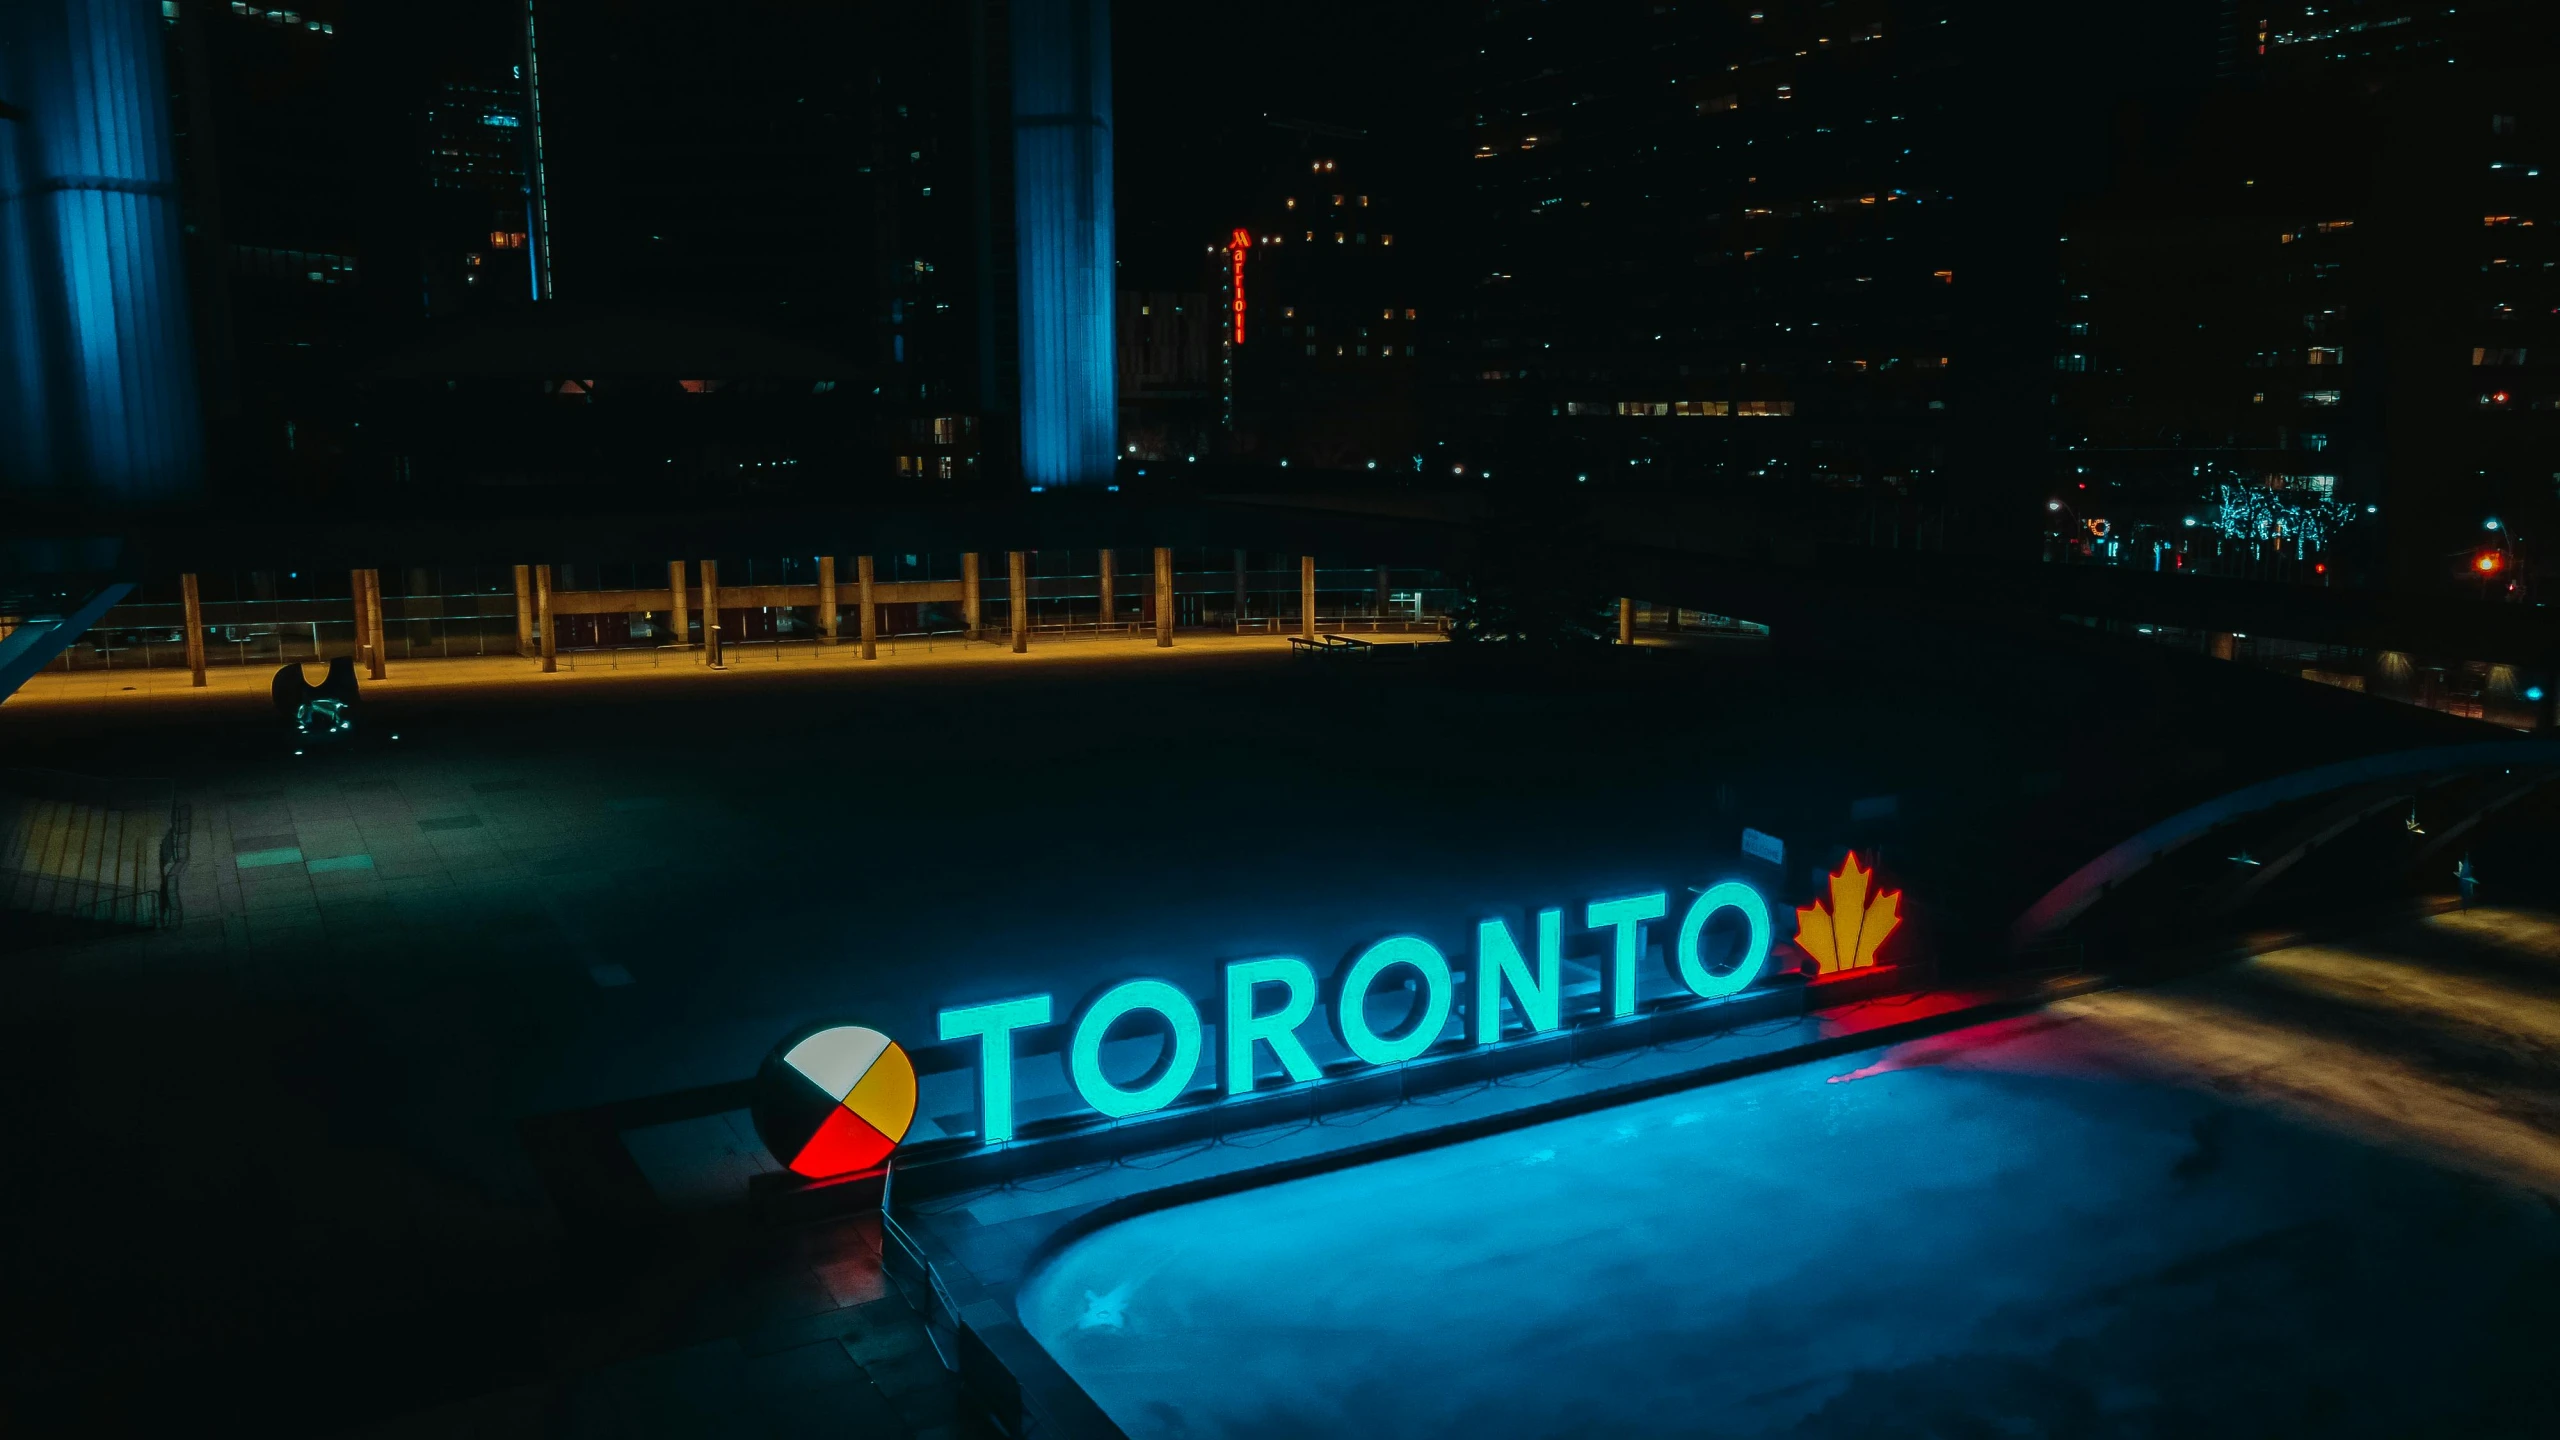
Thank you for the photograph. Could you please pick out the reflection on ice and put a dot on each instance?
(2035, 1239)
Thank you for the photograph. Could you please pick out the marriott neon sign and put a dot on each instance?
(1264, 1001)
(1237, 245)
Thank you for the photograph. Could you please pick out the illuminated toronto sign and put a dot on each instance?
(1262, 1003)
(1845, 934)
(837, 1100)
(834, 1101)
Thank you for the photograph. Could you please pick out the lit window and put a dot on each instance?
(2493, 355)
(1289, 204)
(1337, 237)
(1364, 199)
(1408, 314)
(1386, 239)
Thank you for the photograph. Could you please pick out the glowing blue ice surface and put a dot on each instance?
(1930, 1250)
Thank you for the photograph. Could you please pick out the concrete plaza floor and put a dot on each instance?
(278, 1160)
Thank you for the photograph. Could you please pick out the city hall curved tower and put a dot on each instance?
(1063, 239)
(97, 385)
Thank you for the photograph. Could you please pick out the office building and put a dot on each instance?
(2297, 335)
(1324, 295)
(1791, 260)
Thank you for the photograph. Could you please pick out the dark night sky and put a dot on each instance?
(1194, 85)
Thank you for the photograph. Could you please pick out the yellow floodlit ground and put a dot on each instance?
(2436, 1037)
(745, 661)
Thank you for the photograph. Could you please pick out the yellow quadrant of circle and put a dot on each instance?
(886, 1097)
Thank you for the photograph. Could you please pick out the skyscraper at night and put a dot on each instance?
(95, 362)
(1327, 351)
(1788, 259)
(2297, 337)
(350, 176)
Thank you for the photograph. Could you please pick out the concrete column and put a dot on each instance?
(524, 609)
(543, 619)
(1020, 574)
(870, 611)
(1107, 596)
(970, 614)
(1239, 592)
(195, 628)
(1626, 621)
(357, 596)
(1307, 596)
(1164, 597)
(676, 602)
(2546, 711)
(373, 615)
(1382, 592)
(827, 597)
(711, 614)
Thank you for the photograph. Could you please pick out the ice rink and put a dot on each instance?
(2180, 1211)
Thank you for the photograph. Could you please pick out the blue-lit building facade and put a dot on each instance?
(96, 367)
(313, 259)
(1063, 239)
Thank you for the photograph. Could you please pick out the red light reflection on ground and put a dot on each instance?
(2023, 1044)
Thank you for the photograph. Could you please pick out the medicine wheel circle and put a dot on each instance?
(835, 1100)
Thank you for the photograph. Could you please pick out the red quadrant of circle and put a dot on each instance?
(842, 1145)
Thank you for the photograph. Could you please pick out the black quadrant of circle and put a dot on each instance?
(788, 1109)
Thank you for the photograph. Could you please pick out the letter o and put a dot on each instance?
(1730, 894)
(1350, 1000)
(1170, 1077)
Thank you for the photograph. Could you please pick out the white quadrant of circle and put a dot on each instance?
(836, 1060)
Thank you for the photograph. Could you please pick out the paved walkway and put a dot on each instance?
(797, 1333)
(168, 684)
